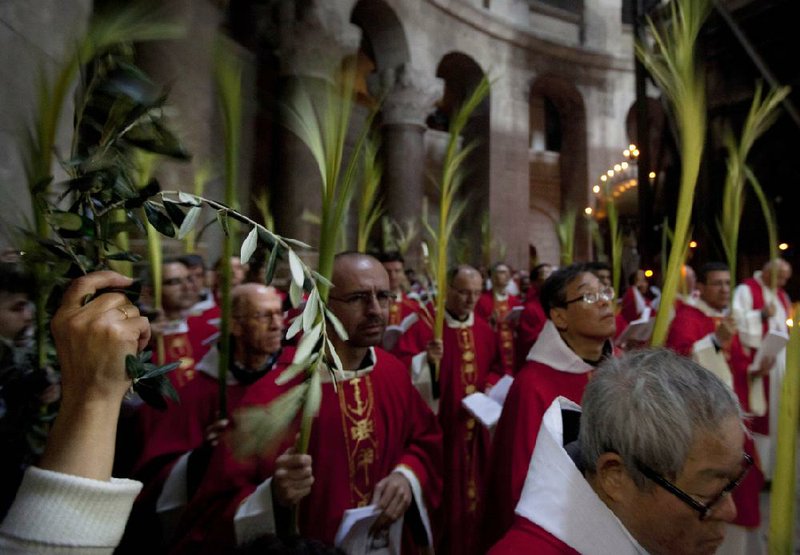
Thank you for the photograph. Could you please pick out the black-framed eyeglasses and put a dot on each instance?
(703, 508)
(591, 297)
(364, 298)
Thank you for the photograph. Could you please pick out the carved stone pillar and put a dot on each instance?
(410, 99)
(312, 44)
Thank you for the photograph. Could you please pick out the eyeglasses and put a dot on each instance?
(703, 508)
(365, 298)
(176, 281)
(591, 297)
(263, 316)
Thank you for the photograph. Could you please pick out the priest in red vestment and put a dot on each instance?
(176, 443)
(401, 305)
(573, 341)
(187, 338)
(758, 310)
(499, 309)
(468, 361)
(706, 332)
(374, 442)
(646, 467)
(533, 318)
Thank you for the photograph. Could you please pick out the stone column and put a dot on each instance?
(410, 99)
(312, 44)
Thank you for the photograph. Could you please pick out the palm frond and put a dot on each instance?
(672, 64)
(565, 229)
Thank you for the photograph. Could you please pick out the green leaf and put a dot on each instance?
(133, 366)
(335, 356)
(313, 397)
(296, 243)
(311, 310)
(337, 324)
(295, 327)
(175, 213)
(186, 198)
(156, 371)
(290, 373)
(158, 219)
(190, 221)
(269, 273)
(319, 278)
(295, 293)
(296, 267)
(127, 256)
(307, 345)
(260, 427)
(249, 246)
(222, 217)
(66, 220)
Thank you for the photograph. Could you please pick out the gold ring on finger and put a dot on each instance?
(124, 312)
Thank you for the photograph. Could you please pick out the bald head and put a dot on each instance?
(247, 294)
(783, 270)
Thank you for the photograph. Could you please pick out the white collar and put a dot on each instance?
(453, 323)
(500, 296)
(558, 498)
(347, 375)
(551, 349)
(209, 365)
(708, 310)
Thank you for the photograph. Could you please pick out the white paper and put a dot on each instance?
(639, 330)
(499, 391)
(771, 345)
(483, 407)
(354, 538)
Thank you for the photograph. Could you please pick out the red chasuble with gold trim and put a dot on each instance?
(495, 310)
(372, 424)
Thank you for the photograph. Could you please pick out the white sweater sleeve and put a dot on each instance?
(64, 514)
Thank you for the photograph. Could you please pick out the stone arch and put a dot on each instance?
(461, 74)
(558, 145)
(383, 35)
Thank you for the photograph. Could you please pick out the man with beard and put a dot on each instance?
(176, 443)
(571, 345)
(445, 371)
(374, 441)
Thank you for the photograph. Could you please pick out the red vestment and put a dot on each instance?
(526, 537)
(401, 307)
(187, 341)
(372, 425)
(552, 370)
(165, 436)
(495, 310)
(469, 364)
(531, 322)
(691, 325)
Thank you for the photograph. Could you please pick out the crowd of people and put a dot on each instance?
(602, 445)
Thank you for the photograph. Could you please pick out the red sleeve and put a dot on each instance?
(684, 331)
(413, 342)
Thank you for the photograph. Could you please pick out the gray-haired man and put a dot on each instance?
(658, 450)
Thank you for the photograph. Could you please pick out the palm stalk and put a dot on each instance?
(673, 66)
(369, 208)
(761, 116)
(450, 210)
(782, 502)
(771, 221)
(615, 235)
(565, 228)
(228, 77)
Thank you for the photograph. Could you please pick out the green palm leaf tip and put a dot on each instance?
(565, 228)
(762, 114)
(370, 208)
(449, 209)
(672, 64)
